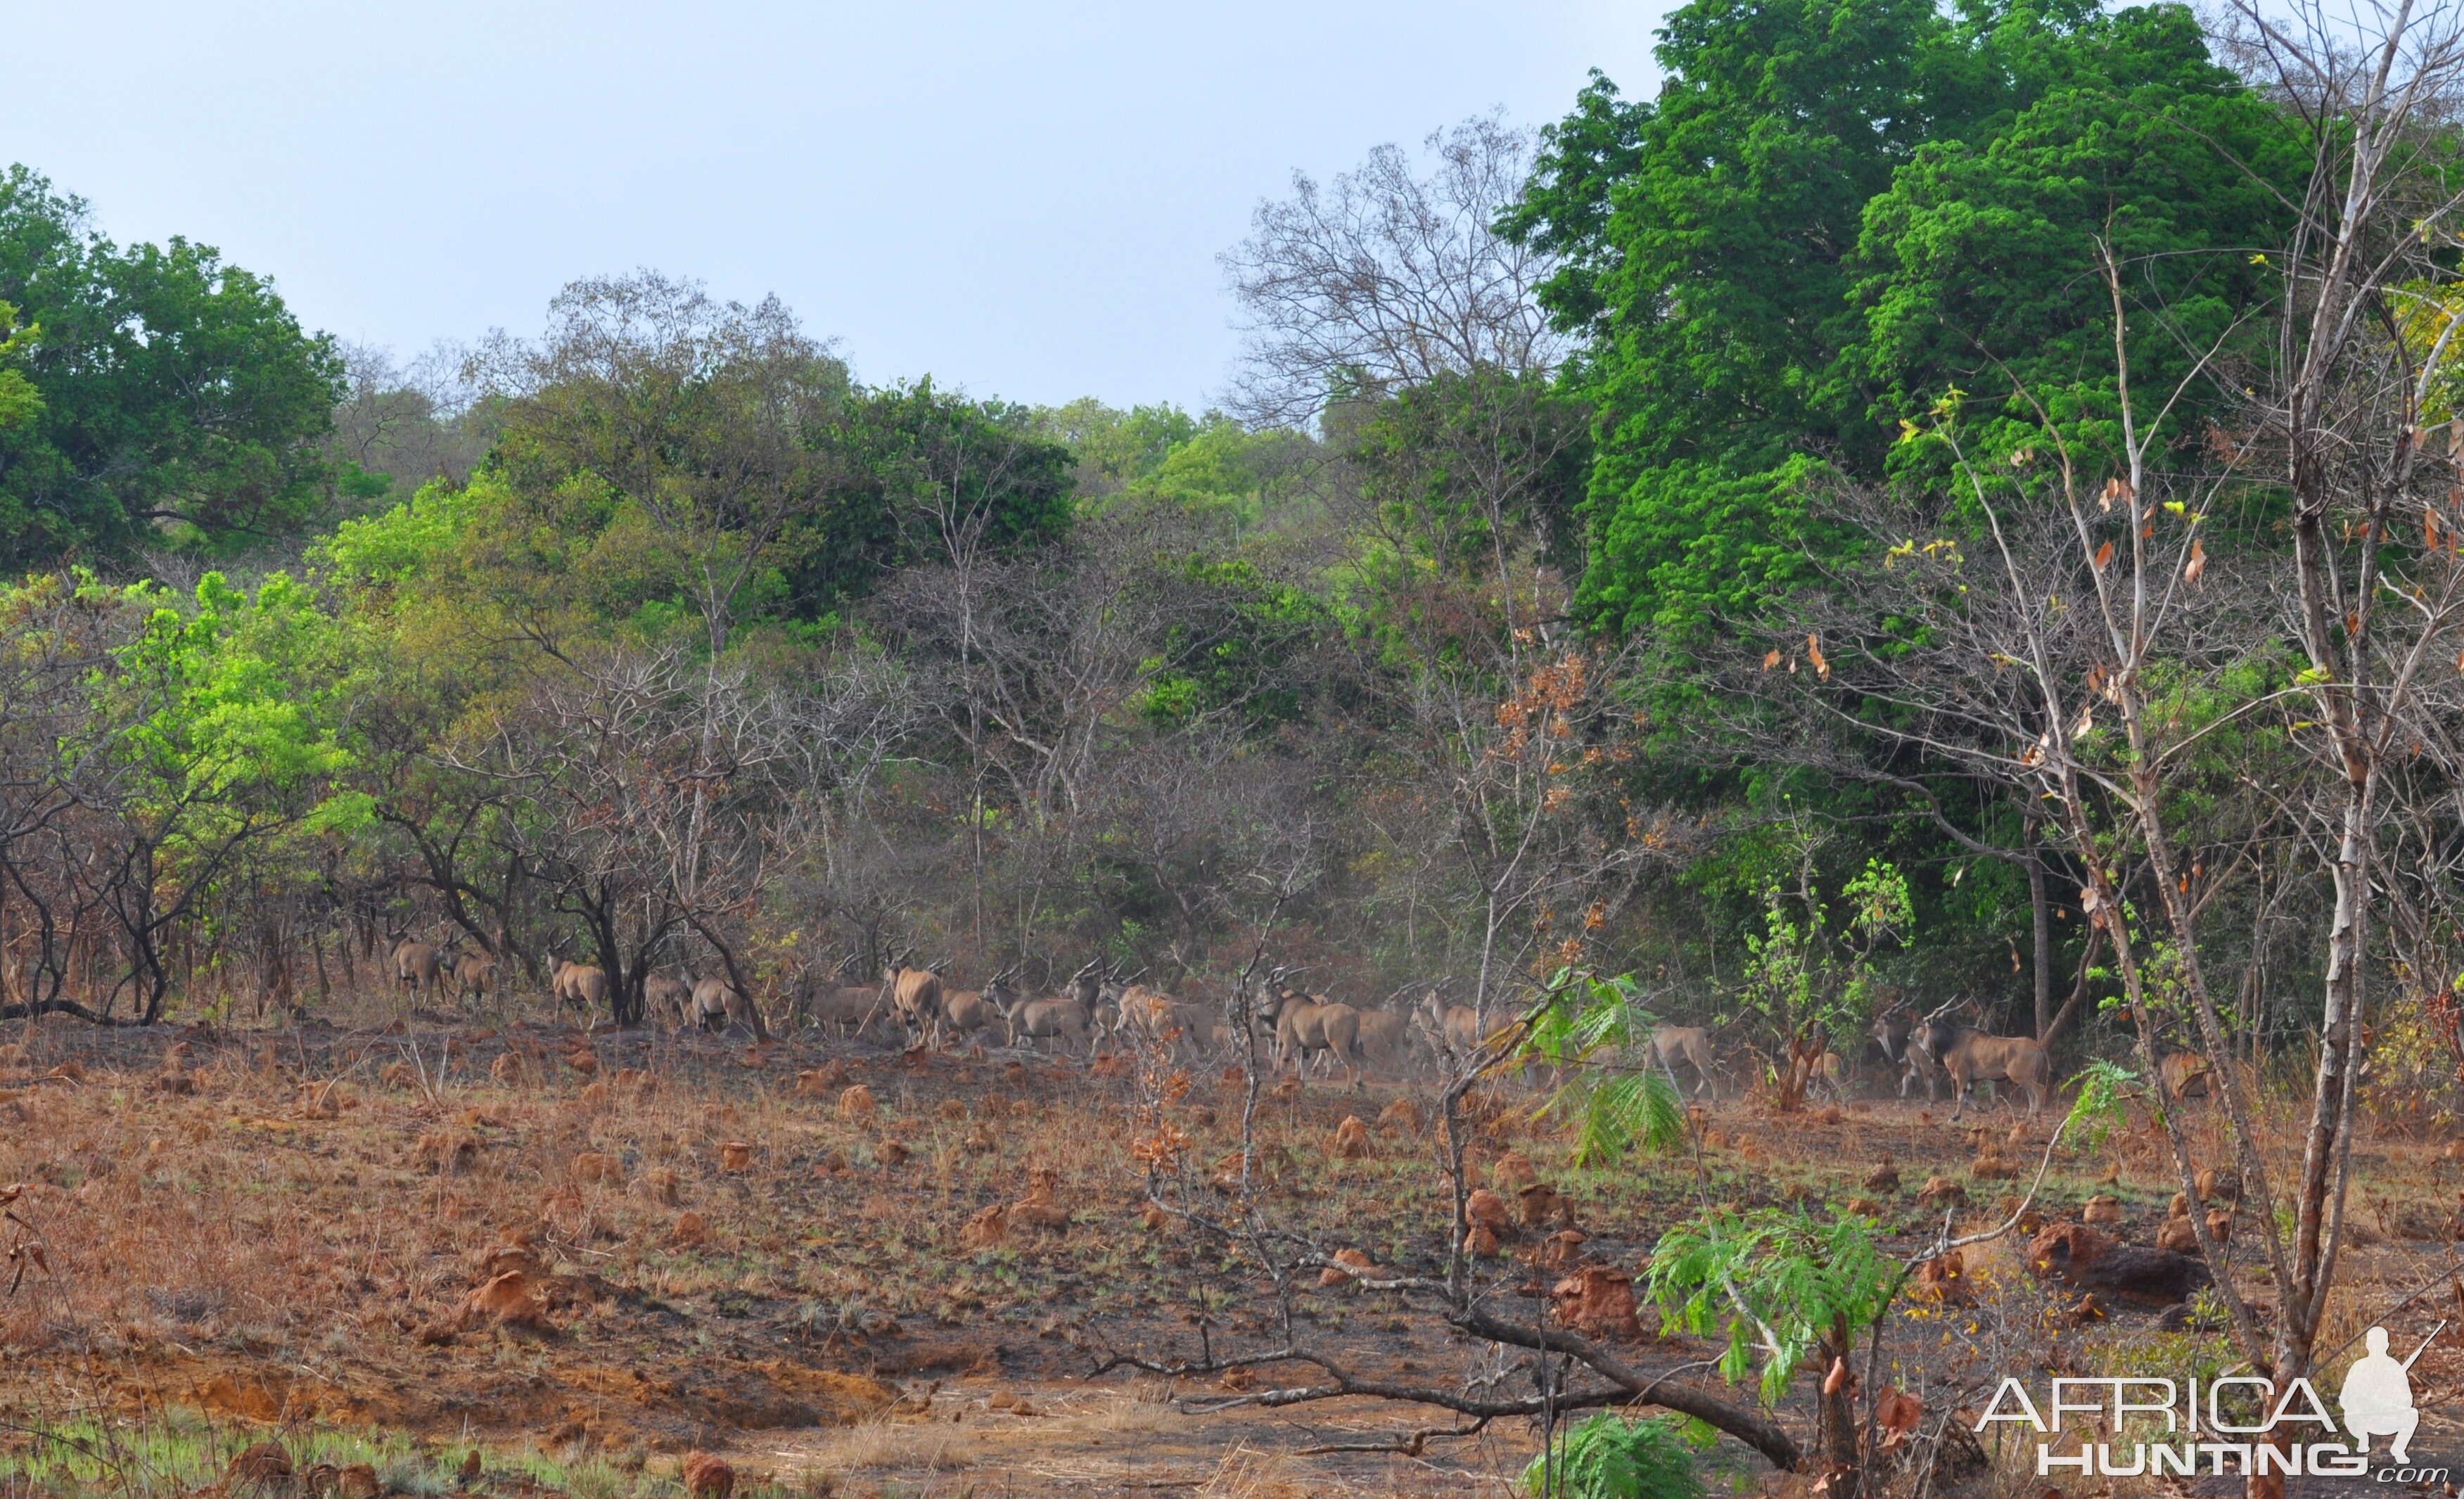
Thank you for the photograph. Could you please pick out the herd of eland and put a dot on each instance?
(1293, 1028)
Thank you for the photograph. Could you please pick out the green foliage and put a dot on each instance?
(173, 397)
(1609, 1456)
(1587, 1026)
(1977, 265)
(2104, 1088)
(1834, 212)
(1464, 464)
(1783, 1284)
(1113, 450)
(928, 458)
(232, 708)
(1801, 980)
(395, 546)
(1210, 467)
(20, 402)
(1234, 657)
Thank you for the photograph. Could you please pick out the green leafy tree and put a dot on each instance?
(1785, 1289)
(1835, 210)
(180, 401)
(1810, 987)
(219, 728)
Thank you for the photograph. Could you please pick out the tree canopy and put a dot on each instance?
(150, 395)
(1835, 213)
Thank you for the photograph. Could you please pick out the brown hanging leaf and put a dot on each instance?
(2430, 527)
(1814, 653)
(2197, 566)
(1770, 660)
(2104, 555)
(2115, 488)
(1897, 1413)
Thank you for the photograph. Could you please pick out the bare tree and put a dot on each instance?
(1386, 279)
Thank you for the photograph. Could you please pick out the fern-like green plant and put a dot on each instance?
(1785, 1284)
(1609, 1457)
(1588, 1027)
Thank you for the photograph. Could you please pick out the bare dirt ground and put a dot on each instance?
(586, 1256)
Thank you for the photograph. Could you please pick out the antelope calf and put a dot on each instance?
(668, 1000)
(474, 974)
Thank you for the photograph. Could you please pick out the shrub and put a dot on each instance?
(1609, 1457)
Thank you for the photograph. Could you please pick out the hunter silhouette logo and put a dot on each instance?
(2377, 1398)
(2212, 1424)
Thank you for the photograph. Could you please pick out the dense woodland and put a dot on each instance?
(1679, 541)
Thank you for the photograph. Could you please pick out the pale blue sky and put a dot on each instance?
(1024, 200)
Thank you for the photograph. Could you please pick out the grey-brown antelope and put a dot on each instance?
(474, 974)
(970, 1011)
(1308, 1023)
(850, 1008)
(1917, 1045)
(579, 985)
(1153, 1017)
(418, 966)
(915, 994)
(1384, 1034)
(668, 1000)
(1453, 1029)
(1690, 1044)
(2187, 1074)
(2022, 1061)
(1065, 1017)
(718, 1004)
